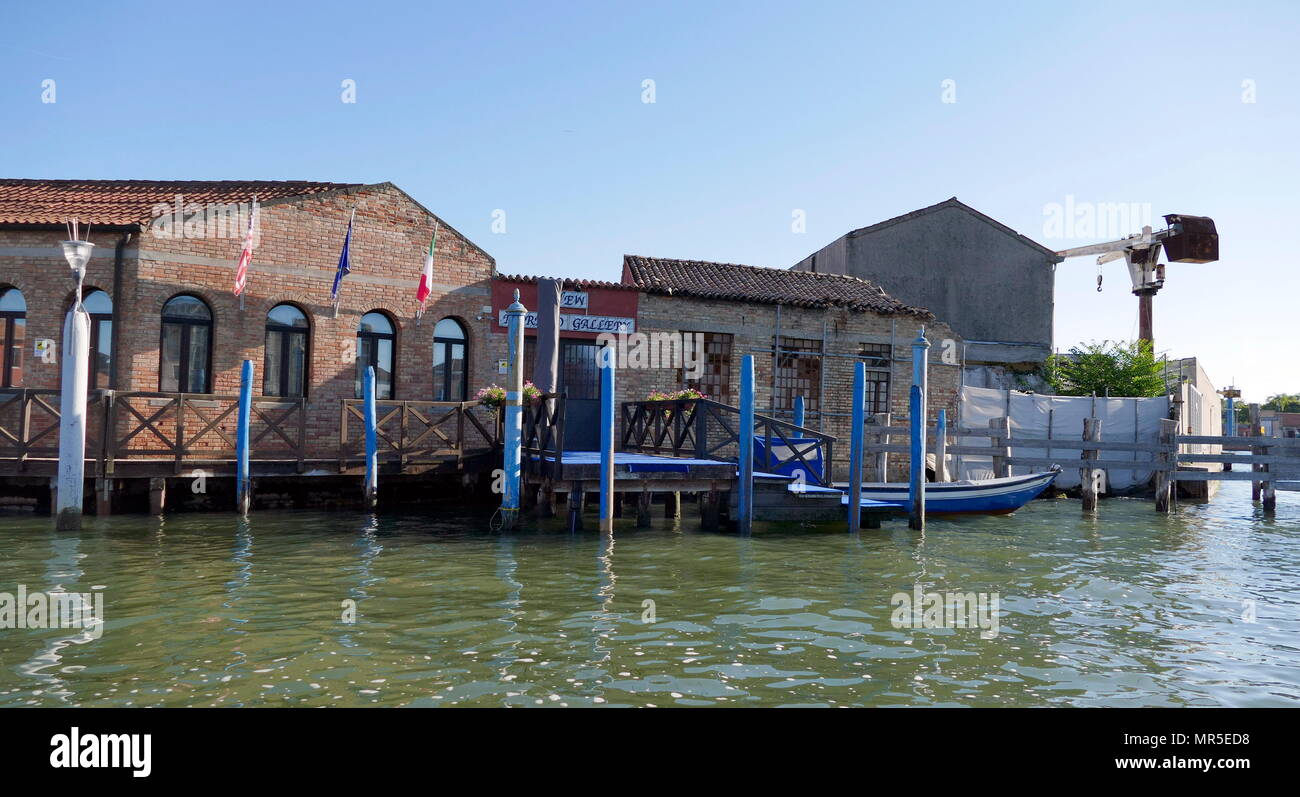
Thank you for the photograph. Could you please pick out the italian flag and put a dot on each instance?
(426, 276)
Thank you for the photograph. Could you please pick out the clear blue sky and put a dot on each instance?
(761, 108)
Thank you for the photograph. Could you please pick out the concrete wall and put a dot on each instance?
(988, 285)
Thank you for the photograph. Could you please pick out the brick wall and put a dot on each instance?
(294, 262)
(753, 327)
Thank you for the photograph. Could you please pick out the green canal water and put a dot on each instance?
(1128, 609)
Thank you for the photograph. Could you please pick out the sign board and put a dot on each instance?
(574, 300)
(572, 322)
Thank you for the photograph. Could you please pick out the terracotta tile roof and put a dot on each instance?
(569, 283)
(126, 202)
(729, 281)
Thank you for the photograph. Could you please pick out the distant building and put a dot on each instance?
(1280, 424)
(1202, 414)
(994, 286)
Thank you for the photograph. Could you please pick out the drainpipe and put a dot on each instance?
(118, 268)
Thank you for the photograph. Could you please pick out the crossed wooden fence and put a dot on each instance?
(418, 432)
(707, 429)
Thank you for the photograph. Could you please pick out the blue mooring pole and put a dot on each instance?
(243, 487)
(372, 441)
(745, 433)
(917, 419)
(513, 425)
(798, 410)
(857, 403)
(606, 360)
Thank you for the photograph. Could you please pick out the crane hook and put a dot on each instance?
(1098, 280)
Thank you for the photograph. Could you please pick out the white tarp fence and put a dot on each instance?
(1133, 420)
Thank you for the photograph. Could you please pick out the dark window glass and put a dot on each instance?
(877, 357)
(375, 338)
(716, 379)
(798, 373)
(450, 347)
(185, 353)
(285, 371)
(579, 373)
(13, 336)
(100, 308)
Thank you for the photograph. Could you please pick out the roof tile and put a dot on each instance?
(729, 281)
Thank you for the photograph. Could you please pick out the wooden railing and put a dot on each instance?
(185, 428)
(543, 435)
(706, 429)
(417, 432)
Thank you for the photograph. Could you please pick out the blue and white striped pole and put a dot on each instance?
(917, 416)
(606, 360)
(372, 441)
(513, 426)
(798, 410)
(243, 486)
(857, 404)
(745, 486)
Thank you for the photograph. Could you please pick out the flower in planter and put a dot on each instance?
(689, 394)
(495, 395)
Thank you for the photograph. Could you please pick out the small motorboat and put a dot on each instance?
(986, 496)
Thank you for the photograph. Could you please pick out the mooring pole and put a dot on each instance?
(917, 411)
(514, 409)
(372, 441)
(745, 433)
(243, 491)
(941, 447)
(72, 396)
(607, 495)
(857, 404)
(798, 410)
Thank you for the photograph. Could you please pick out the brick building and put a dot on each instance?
(804, 329)
(159, 287)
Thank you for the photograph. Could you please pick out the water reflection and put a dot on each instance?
(1124, 608)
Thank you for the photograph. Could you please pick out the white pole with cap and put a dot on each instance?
(72, 395)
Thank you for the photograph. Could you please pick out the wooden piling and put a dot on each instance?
(1166, 458)
(856, 407)
(1088, 481)
(1000, 439)
(1268, 492)
(243, 484)
(157, 495)
(643, 509)
(576, 496)
(1256, 487)
(103, 497)
(673, 506)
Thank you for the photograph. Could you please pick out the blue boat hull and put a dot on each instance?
(990, 496)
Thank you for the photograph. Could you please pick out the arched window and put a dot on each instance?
(449, 355)
(185, 359)
(13, 336)
(100, 308)
(285, 373)
(375, 339)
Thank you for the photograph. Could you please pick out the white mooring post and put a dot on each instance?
(72, 396)
(514, 414)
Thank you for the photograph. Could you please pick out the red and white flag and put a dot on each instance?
(426, 277)
(246, 256)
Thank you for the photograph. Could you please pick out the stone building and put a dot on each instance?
(992, 284)
(805, 331)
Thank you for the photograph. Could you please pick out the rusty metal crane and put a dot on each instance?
(1187, 239)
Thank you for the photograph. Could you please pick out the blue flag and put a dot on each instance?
(344, 268)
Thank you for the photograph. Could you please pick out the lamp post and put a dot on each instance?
(72, 395)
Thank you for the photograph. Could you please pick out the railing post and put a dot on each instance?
(745, 441)
(372, 442)
(606, 360)
(243, 486)
(917, 413)
(858, 422)
(701, 429)
(1089, 478)
(1001, 431)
